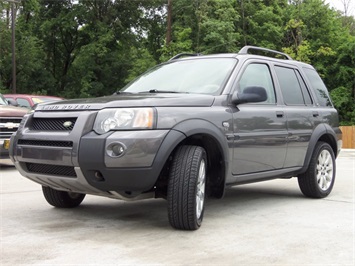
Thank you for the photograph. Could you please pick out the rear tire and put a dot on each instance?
(318, 180)
(62, 199)
(186, 188)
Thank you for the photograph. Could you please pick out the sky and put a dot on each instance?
(338, 4)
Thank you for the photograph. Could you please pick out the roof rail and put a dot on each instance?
(245, 50)
(183, 54)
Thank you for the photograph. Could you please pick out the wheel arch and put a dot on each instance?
(207, 135)
(325, 133)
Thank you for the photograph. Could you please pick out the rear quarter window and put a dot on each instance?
(318, 87)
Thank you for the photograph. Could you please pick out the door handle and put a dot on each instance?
(315, 114)
(279, 114)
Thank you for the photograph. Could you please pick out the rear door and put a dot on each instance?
(302, 115)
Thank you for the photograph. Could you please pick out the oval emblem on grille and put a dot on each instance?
(67, 124)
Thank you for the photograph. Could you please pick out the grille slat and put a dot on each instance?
(10, 119)
(46, 143)
(11, 130)
(58, 170)
(53, 124)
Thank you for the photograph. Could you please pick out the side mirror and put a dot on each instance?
(12, 102)
(253, 94)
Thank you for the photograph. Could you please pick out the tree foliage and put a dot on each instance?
(88, 48)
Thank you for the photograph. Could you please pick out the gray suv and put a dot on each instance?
(185, 130)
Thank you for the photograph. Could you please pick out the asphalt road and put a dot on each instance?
(268, 223)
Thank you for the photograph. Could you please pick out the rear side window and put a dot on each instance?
(318, 87)
(290, 86)
(293, 88)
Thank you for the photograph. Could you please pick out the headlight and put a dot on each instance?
(124, 119)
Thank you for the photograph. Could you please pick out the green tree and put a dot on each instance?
(89, 48)
(261, 22)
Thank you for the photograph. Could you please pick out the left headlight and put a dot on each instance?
(124, 119)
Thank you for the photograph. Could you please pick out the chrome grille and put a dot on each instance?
(53, 124)
(8, 125)
(10, 119)
(58, 170)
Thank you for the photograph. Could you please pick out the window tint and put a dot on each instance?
(318, 87)
(290, 87)
(258, 75)
(23, 102)
(305, 91)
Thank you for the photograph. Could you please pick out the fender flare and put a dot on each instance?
(319, 131)
(199, 126)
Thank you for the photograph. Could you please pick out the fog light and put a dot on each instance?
(99, 176)
(116, 149)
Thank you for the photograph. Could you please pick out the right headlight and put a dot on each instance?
(124, 119)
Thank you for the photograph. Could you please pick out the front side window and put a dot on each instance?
(206, 76)
(23, 102)
(318, 87)
(258, 75)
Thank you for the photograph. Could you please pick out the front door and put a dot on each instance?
(260, 133)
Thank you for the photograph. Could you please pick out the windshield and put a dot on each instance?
(205, 76)
(2, 100)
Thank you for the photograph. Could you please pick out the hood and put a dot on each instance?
(131, 100)
(12, 111)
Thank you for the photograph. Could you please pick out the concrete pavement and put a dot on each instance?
(268, 223)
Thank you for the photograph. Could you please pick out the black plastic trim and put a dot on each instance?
(122, 179)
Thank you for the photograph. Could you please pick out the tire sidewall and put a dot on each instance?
(183, 187)
(322, 147)
(202, 157)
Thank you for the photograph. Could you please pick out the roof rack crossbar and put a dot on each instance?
(246, 49)
(183, 54)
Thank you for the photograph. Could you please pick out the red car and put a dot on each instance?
(27, 100)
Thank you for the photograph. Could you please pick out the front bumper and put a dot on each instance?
(81, 161)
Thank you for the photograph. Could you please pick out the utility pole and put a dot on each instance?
(169, 19)
(13, 47)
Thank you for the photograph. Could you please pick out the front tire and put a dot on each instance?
(62, 199)
(186, 187)
(318, 180)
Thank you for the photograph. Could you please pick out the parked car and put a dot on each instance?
(187, 128)
(29, 100)
(10, 118)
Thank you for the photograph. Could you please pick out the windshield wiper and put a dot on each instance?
(122, 92)
(160, 91)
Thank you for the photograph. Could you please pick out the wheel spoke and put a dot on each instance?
(321, 159)
(321, 181)
(329, 169)
(324, 170)
(327, 158)
(319, 175)
(200, 189)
